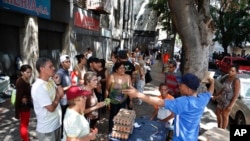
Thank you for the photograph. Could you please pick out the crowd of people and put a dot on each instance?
(61, 97)
(68, 103)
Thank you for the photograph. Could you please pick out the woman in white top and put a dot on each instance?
(79, 70)
(76, 127)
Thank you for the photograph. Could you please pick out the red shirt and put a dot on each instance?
(172, 83)
(166, 56)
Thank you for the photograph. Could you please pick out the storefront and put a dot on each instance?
(30, 30)
(86, 27)
(9, 37)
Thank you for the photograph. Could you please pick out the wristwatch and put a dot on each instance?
(59, 84)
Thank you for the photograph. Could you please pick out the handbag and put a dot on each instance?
(163, 113)
(148, 77)
(13, 97)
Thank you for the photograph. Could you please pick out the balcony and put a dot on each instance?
(99, 6)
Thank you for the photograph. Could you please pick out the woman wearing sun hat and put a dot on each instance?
(76, 127)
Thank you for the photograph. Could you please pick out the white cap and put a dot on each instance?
(63, 58)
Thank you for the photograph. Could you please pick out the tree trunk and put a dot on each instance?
(192, 24)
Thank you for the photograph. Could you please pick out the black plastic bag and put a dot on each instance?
(148, 77)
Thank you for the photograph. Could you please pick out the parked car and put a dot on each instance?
(227, 61)
(217, 73)
(241, 110)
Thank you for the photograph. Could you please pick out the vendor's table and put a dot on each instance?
(148, 131)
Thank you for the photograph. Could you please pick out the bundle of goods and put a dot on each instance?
(123, 124)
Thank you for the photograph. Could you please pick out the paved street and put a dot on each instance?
(9, 125)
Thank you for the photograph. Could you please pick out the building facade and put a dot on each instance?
(50, 28)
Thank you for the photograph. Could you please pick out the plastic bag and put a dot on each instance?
(13, 97)
(148, 77)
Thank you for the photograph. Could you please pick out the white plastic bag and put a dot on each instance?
(13, 97)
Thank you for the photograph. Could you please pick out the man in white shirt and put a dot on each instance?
(46, 94)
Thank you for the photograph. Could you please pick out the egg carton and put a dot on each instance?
(123, 120)
(119, 135)
(126, 113)
(123, 128)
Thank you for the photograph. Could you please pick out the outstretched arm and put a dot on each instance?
(133, 93)
(211, 87)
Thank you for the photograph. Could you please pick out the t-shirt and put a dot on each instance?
(171, 80)
(43, 94)
(168, 97)
(66, 81)
(167, 112)
(188, 111)
(166, 56)
(75, 125)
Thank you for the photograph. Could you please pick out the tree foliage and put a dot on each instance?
(163, 12)
(232, 21)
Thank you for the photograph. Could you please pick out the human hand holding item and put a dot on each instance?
(107, 101)
(132, 92)
(60, 92)
(211, 87)
(56, 78)
(208, 75)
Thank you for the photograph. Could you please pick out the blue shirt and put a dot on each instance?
(65, 82)
(64, 76)
(188, 111)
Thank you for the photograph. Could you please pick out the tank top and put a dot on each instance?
(116, 96)
(227, 94)
(81, 70)
(91, 102)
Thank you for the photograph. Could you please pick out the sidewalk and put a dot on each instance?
(9, 126)
(9, 130)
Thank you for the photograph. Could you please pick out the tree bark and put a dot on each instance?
(190, 20)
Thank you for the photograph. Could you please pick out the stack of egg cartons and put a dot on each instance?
(123, 124)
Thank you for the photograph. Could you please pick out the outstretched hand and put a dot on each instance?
(211, 80)
(131, 92)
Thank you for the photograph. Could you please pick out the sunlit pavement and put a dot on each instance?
(9, 126)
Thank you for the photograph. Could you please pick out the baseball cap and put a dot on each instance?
(63, 58)
(191, 81)
(75, 91)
